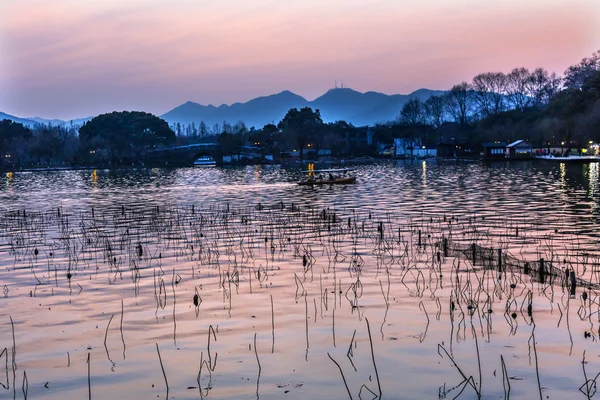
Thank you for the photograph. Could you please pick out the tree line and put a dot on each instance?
(118, 138)
(541, 107)
(538, 106)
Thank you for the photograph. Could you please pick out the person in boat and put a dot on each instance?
(331, 177)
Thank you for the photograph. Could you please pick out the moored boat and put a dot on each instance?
(205, 161)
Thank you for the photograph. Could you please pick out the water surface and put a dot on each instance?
(294, 302)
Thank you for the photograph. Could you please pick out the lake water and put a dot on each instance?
(240, 284)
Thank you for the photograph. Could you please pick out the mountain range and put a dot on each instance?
(336, 104)
(31, 122)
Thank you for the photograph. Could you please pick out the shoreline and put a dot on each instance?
(304, 163)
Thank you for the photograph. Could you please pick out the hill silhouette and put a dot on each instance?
(24, 121)
(336, 104)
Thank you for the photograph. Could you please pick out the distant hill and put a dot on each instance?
(33, 121)
(78, 121)
(256, 112)
(24, 121)
(337, 104)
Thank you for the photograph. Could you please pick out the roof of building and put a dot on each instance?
(494, 144)
(519, 143)
(453, 141)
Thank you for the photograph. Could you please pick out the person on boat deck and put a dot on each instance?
(330, 177)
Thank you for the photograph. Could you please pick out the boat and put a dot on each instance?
(328, 180)
(334, 181)
(205, 161)
(329, 171)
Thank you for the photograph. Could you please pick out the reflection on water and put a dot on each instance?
(366, 291)
(471, 187)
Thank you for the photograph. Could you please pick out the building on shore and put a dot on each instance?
(519, 150)
(454, 147)
(493, 150)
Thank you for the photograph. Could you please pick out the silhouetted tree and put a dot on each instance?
(489, 92)
(203, 130)
(433, 111)
(412, 112)
(121, 133)
(459, 102)
(518, 88)
(265, 138)
(576, 75)
(538, 83)
(303, 125)
(13, 140)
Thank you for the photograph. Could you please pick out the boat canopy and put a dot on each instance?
(330, 170)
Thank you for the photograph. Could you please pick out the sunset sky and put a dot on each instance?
(74, 58)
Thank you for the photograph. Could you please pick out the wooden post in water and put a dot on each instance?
(445, 245)
(542, 271)
(573, 283)
(419, 237)
(500, 260)
(474, 252)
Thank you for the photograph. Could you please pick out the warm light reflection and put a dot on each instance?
(311, 169)
(94, 177)
(593, 175)
(424, 173)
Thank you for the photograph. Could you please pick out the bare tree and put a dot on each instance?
(483, 92)
(459, 102)
(433, 111)
(240, 127)
(577, 74)
(536, 86)
(489, 93)
(498, 83)
(553, 87)
(412, 112)
(203, 129)
(518, 88)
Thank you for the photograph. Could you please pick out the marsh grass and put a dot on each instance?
(465, 267)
